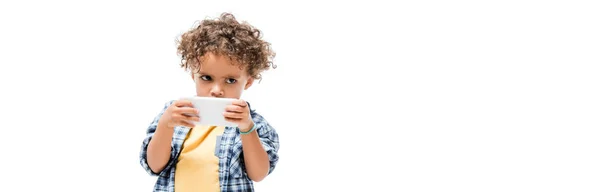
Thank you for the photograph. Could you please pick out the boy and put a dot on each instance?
(224, 57)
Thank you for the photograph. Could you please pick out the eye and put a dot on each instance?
(205, 78)
(230, 81)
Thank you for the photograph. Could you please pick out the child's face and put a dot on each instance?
(219, 78)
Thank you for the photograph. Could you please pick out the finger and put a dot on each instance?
(240, 103)
(186, 124)
(183, 103)
(187, 115)
(233, 115)
(234, 108)
(193, 119)
(187, 111)
(233, 120)
(182, 117)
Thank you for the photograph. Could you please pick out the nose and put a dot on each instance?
(216, 91)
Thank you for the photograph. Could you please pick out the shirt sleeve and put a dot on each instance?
(149, 133)
(268, 138)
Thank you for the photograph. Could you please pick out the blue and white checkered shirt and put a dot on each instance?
(232, 172)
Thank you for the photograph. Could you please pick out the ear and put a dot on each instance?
(192, 74)
(249, 83)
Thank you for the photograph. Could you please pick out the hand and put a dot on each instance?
(180, 113)
(238, 112)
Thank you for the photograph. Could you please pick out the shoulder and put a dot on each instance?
(164, 108)
(169, 103)
(166, 105)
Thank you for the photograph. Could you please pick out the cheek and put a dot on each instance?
(202, 89)
(234, 91)
(235, 88)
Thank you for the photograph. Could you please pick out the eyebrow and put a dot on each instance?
(227, 76)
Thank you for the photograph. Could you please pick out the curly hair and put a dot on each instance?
(225, 36)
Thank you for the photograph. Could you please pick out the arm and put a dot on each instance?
(260, 149)
(157, 151)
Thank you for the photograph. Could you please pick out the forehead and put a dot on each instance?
(220, 66)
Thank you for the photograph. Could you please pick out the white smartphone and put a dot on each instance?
(211, 110)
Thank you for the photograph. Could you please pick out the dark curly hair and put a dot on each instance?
(225, 36)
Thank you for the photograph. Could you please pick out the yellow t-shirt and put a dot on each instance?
(198, 166)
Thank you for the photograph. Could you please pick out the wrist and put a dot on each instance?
(164, 126)
(164, 130)
(247, 129)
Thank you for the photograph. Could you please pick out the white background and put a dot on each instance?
(416, 96)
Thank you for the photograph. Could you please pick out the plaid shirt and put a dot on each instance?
(232, 171)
